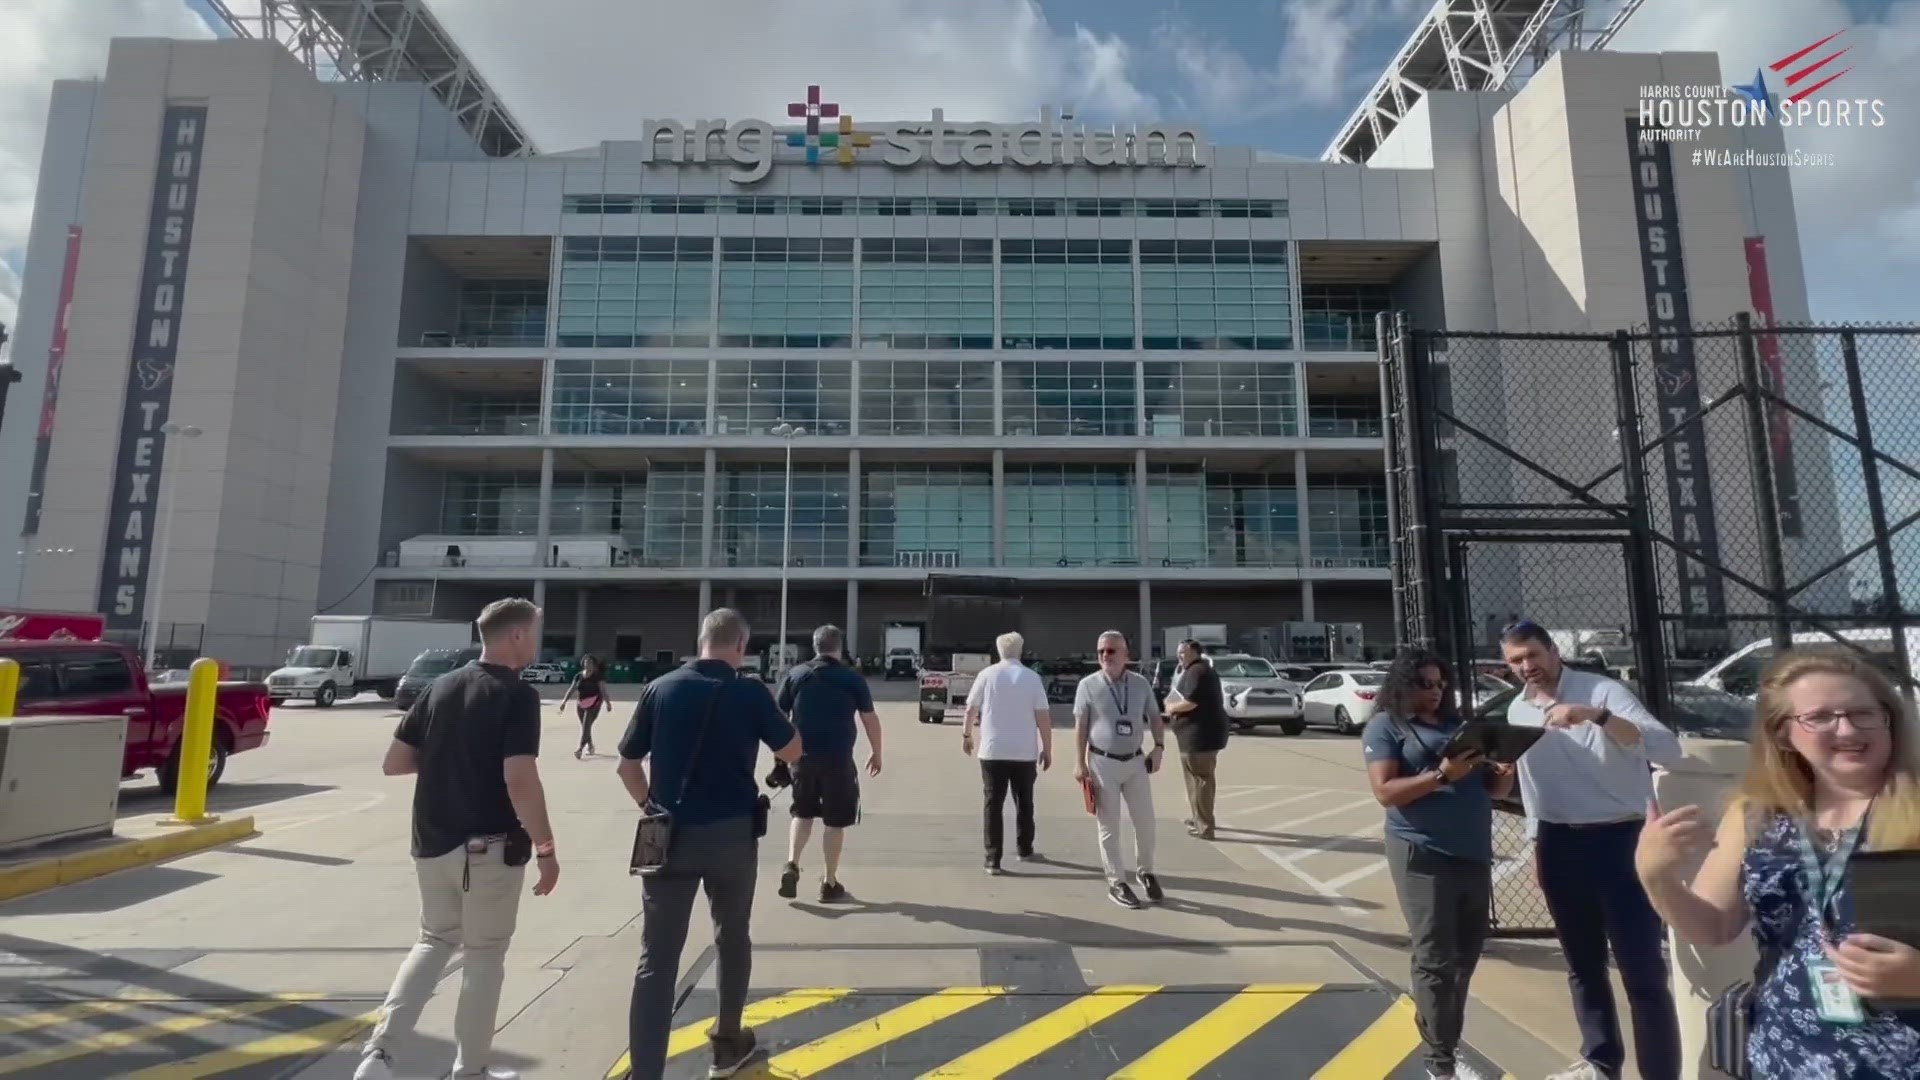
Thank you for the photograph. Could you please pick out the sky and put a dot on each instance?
(1278, 74)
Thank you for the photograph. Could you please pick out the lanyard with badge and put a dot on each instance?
(1123, 722)
(1836, 1001)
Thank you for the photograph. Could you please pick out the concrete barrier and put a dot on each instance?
(1706, 778)
(59, 778)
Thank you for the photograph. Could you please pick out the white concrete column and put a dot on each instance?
(1706, 777)
(706, 600)
(1142, 522)
(853, 508)
(709, 496)
(1306, 536)
(543, 531)
(853, 618)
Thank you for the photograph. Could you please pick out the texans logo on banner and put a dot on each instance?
(152, 374)
(1674, 379)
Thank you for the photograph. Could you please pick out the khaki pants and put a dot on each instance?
(1197, 767)
(469, 903)
(1129, 783)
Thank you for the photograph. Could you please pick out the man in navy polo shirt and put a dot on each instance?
(822, 696)
(701, 727)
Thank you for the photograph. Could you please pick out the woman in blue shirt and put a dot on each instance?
(1439, 841)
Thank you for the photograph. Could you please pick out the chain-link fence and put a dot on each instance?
(1676, 508)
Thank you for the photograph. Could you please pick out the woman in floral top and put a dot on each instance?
(1835, 768)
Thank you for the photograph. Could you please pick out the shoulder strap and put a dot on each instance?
(700, 740)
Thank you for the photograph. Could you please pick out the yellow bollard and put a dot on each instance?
(9, 686)
(196, 744)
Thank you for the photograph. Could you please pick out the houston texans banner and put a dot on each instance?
(128, 551)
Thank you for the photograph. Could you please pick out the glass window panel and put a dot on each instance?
(751, 522)
(926, 398)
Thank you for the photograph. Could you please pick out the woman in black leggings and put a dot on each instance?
(589, 692)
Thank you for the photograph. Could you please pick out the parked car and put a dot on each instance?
(1343, 700)
(101, 678)
(902, 664)
(545, 671)
(427, 667)
(1256, 694)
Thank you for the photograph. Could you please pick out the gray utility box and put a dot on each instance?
(59, 778)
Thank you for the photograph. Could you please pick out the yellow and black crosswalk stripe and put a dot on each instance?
(166, 1038)
(1269, 1032)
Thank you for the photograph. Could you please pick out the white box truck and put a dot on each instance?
(1211, 635)
(348, 655)
(903, 651)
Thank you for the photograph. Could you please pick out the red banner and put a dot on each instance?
(50, 399)
(1786, 481)
(50, 626)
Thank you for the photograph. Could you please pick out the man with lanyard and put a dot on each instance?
(1586, 785)
(821, 697)
(1113, 708)
(1200, 727)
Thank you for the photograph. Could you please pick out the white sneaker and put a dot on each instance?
(492, 1072)
(376, 1065)
(1582, 1070)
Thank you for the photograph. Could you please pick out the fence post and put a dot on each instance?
(1460, 628)
(1643, 593)
(1420, 459)
(1388, 348)
(1766, 505)
(1876, 508)
(9, 686)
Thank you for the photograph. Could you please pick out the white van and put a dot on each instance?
(1740, 672)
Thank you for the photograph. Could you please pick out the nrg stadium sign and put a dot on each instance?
(751, 145)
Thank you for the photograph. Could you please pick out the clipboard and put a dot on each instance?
(1884, 887)
(1496, 740)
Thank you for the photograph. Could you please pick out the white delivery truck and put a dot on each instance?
(347, 655)
(1211, 635)
(903, 651)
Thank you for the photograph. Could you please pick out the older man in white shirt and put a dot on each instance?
(1008, 704)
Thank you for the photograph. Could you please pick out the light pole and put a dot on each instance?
(788, 432)
(184, 431)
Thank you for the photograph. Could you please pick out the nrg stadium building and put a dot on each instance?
(429, 366)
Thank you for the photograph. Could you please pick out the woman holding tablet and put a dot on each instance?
(1835, 769)
(1439, 841)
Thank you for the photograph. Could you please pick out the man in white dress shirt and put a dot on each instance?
(1008, 705)
(1113, 712)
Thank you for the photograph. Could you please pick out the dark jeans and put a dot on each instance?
(996, 777)
(1446, 903)
(724, 856)
(1594, 895)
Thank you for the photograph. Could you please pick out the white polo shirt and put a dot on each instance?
(1008, 694)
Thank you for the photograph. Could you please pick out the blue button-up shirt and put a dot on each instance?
(1579, 775)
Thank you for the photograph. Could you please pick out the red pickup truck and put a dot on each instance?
(101, 678)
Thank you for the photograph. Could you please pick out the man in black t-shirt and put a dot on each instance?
(1200, 727)
(479, 815)
(822, 697)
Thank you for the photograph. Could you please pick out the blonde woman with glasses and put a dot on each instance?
(1835, 768)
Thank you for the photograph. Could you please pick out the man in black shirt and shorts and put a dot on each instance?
(821, 697)
(1200, 727)
(479, 816)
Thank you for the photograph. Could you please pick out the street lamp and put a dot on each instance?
(184, 431)
(788, 432)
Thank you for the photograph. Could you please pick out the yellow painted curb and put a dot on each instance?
(42, 874)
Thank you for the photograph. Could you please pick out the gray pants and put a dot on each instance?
(1446, 902)
(1127, 783)
(469, 903)
(724, 856)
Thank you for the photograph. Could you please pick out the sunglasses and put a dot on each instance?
(1109, 652)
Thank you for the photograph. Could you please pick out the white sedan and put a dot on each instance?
(1343, 700)
(546, 671)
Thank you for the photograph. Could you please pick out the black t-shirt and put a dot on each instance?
(823, 696)
(1205, 728)
(586, 688)
(467, 724)
(715, 771)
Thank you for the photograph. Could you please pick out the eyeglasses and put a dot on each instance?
(1109, 652)
(1874, 719)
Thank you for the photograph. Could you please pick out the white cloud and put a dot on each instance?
(1315, 67)
(577, 72)
(48, 40)
(1860, 217)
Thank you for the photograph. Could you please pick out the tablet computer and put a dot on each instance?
(1885, 890)
(1497, 740)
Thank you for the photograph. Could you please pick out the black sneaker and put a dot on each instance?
(790, 881)
(831, 891)
(731, 1053)
(1030, 856)
(1152, 884)
(1122, 895)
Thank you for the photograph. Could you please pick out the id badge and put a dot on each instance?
(1123, 728)
(1837, 1002)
